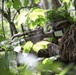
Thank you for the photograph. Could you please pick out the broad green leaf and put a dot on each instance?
(40, 45)
(33, 25)
(9, 4)
(22, 17)
(17, 4)
(39, 21)
(35, 13)
(26, 2)
(27, 47)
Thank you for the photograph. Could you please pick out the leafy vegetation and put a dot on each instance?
(22, 20)
(59, 15)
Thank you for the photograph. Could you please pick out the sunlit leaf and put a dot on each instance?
(50, 65)
(45, 60)
(40, 45)
(28, 46)
(36, 12)
(22, 18)
(46, 64)
(37, 1)
(50, 60)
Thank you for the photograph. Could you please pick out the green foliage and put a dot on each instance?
(36, 12)
(17, 4)
(53, 39)
(22, 17)
(48, 61)
(46, 66)
(37, 17)
(32, 18)
(58, 15)
(9, 4)
(2, 38)
(66, 69)
(2, 35)
(28, 46)
(26, 2)
(3, 70)
(49, 65)
(5, 45)
(37, 1)
(36, 47)
(40, 45)
(67, 1)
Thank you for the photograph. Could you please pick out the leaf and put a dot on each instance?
(17, 4)
(1, 38)
(50, 60)
(40, 45)
(49, 64)
(22, 17)
(9, 4)
(1, 31)
(46, 64)
(45, 60)
(27, 47)
(37, 17)
(35, 13)
(26, 2)
(67, 1)
(37, 1)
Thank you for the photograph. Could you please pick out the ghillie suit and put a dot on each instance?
(68, 45)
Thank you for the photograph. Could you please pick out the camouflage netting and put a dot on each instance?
(68, 45)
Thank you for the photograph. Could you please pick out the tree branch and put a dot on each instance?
(2, 17)
(11, 23)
